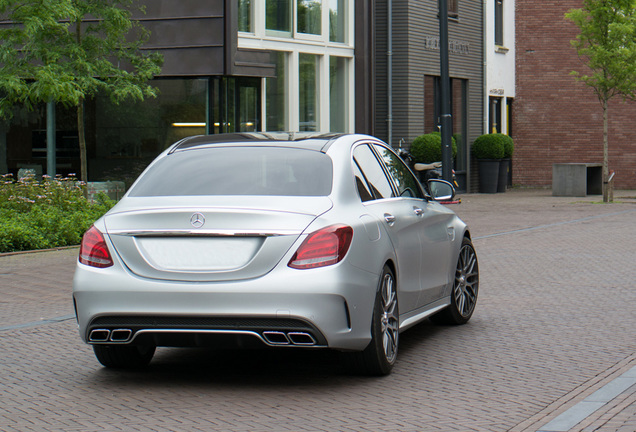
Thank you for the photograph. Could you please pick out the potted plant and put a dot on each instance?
(489, 150)
(427, 149)
(504, 164)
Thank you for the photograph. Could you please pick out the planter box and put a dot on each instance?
(488, 175)
(577, 179)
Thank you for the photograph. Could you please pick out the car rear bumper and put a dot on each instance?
(331, 307)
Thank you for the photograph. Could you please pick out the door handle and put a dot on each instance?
(389, 218)
(418, 211)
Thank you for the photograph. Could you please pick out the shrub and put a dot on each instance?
(489, 146)
(509, 146)
(46, 214)
(428, 148)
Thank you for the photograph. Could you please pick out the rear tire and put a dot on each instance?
(379, 356)
(465, 288)
(124, 356)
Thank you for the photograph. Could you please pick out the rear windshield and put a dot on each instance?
(238, 171)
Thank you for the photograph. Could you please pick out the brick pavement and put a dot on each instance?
(554, 322)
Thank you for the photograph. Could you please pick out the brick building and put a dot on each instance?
(557, 119)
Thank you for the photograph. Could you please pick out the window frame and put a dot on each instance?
(499, 23)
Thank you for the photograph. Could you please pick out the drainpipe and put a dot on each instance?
(390, 72)
(484, 26)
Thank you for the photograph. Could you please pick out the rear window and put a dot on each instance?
(238, 171)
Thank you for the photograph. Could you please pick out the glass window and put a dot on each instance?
(453, 11)
(278, 15)
(406, 183)
(338, 94)
(144, 129)
(238, 171)
(309, 14)
(245, 16)
(276, 99)
(308, 92)
(235, 104)
(499, 22)
(337, 20)
(373, 172)
(361, 183)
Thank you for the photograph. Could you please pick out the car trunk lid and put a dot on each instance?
(218, 240)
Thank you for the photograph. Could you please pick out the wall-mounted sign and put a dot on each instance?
(454, 46)
(498, 92)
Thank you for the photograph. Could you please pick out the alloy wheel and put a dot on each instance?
(466, 281)
(389, 318)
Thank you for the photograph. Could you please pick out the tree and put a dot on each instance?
(66, 51)
(607, 43)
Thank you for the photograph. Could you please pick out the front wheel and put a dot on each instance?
(465, 288)
(379, 356)
(124, 356)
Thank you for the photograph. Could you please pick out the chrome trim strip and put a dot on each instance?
(239, 332)
(202, 233)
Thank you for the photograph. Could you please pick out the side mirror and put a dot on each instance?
(441, 190)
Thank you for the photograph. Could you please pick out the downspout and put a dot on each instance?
(486, 101)
(390, 72)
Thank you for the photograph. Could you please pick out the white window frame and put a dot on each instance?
(263, 39)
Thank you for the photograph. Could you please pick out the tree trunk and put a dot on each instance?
(605, 154)
(82, 141)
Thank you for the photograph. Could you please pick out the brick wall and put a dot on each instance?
(555, 118)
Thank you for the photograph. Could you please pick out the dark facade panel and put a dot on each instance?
(193, 61)
(364, 64)
(183, 8)
(253, 63)
(176, 33)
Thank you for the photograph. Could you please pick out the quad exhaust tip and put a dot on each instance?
(290, 338)
(106, 335)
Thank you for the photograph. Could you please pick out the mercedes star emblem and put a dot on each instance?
(197, 220)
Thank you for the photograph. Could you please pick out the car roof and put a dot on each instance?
(312, 141)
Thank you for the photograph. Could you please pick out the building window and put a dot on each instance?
(245, 21)
(278, 14)
(499, 22)
(459, 113)
(308, 65)
(276, 96)
(309, 13)
(338, 94)
(495, 125)
(337, 20)
(235, 105)
(453, 10)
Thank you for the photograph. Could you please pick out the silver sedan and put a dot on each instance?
(269, 240)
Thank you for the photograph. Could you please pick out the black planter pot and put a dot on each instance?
(488, 175)
(504, 168)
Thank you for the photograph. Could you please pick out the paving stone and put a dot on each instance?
(555, 321)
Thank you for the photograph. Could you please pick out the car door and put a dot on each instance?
(432, 226)
(399, 217)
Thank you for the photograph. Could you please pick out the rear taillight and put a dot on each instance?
(323, 247)
(93, 251)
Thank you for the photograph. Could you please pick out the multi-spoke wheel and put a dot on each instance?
(379, 356)
(465, 288)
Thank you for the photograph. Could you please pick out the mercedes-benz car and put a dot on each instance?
(274, 240)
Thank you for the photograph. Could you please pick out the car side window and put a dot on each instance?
(373, 173)
(406, 183)
(364, 191)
